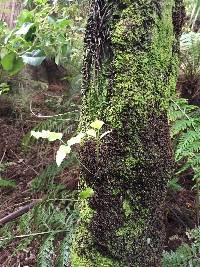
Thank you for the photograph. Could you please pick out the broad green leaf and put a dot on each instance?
(18, 65)
(24, 28)
(91, 132)
(88, 192)
(61, 153)
(34, 58)
(54, 136)
(41, 2)
(8, 60)
(76, 139)
(8, 36)
(25, 16)
(97, 124)
(62, 23)
(104, 134)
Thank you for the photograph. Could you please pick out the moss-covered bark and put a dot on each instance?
(130, 73)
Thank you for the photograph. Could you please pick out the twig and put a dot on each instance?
(17, 213)
(3, 156)
(43, 116)
(35, 234)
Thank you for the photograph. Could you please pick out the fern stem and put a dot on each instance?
(34, 234)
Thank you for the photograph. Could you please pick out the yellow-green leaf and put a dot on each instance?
(92, 132)
(97, 124)
(88, 192)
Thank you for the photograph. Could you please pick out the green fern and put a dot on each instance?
(186, 255)
(45, 256)
(185, 131)
(7, 183)
(6, 235)
(45, 179)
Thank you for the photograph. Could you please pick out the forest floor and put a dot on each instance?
(23, 166)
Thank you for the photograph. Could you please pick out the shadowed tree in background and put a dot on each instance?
(129, 75)
(9, 10)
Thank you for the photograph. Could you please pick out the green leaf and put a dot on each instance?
(61, 153)
(57, 58)
(54, 136)
(34, 58)
(24, 28)
(87, 193)
(8, 60)
(97, 124)
(25, 16)
(18, 65)
(51, 19)
(7, 183)
(62, 23)
(92, 133)
(174, 185)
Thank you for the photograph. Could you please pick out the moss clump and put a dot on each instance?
(127, 207)
(91, 257)
(129, 89)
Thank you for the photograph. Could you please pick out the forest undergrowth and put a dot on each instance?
(38, 211)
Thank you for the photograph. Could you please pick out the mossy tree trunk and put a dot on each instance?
(130, 73)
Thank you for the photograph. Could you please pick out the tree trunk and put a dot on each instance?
(130, 72)
(10, 9)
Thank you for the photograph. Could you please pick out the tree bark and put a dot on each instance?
(9, 11)
(130, 72)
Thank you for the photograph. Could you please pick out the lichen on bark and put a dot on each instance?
(130, 72)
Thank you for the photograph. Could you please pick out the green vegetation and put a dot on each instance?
(97, 188)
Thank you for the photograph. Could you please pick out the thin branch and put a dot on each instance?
(3, 156)
(17, 213)
(34, 234)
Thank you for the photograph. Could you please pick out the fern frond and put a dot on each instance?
(186, 255)
(46, 177)
(181, 126)
(46, 252)
(6, 233)
(195, 161)
(187, 140)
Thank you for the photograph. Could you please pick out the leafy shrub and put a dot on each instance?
(48, 30)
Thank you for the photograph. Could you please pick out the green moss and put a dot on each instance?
(127, 207)
(133, 166)
(116, 191)
(92, 258)
(133, 229)
(85, 212)
(139, 84)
